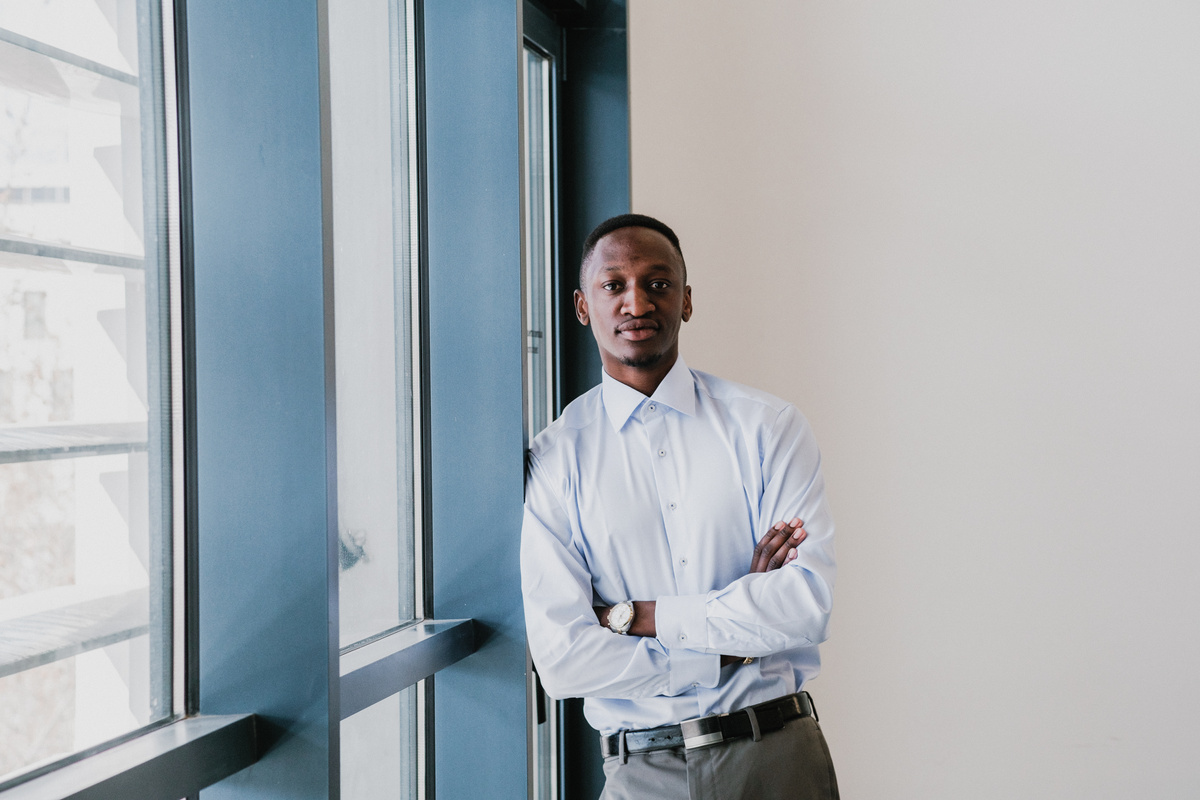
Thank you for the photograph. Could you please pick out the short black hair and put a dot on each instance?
(627, 221)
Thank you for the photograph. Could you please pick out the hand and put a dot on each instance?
(778, 546)
(774, 550)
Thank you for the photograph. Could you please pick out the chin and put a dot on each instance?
(642, 361)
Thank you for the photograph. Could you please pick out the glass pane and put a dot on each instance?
(539, 258)
(103, 32)
(70, 170)
(379, 749)
(372, 275)
(85, 429)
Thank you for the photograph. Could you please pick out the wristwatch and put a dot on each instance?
(620, 617)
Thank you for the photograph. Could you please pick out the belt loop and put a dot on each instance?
(812, 705)
(754, 730)
(621, 750)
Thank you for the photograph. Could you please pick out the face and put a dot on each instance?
(635, 300)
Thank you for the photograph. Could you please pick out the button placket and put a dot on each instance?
(667, 481)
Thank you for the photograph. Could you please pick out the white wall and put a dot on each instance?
(965, 239)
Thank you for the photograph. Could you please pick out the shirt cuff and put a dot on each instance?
(691, 669)
(681, 623)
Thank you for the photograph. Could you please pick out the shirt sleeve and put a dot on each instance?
(766, 613)
(574, 654)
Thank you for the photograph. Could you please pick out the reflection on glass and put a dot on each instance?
(85, 486)
(379, 749)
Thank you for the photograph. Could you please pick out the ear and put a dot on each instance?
(687, 303)
(581, 309)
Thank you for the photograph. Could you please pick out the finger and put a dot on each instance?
(762, 551)
(779, 557)
(763, 544)
(788, 548)
(768, 544)
(786, 552)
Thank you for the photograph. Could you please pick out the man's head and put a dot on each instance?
(626, 221)
(634, 296)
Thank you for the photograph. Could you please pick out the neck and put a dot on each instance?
(644, 379)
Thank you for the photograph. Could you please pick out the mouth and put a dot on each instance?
(637, 329)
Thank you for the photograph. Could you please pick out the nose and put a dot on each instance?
(637, 302)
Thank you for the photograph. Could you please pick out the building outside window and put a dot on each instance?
(87, 487)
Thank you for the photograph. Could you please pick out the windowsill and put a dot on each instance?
(386, 665)
(175, 760)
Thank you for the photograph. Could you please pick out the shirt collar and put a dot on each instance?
(677, 390)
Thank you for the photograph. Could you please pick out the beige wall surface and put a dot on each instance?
(965, 239)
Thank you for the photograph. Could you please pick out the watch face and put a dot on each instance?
(620, 617)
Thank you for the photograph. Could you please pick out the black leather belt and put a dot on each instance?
(707, 731)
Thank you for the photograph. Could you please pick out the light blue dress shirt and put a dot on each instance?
(662, 498)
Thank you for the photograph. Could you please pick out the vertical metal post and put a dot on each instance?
(267, 613)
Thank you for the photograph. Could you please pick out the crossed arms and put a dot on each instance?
(771, 552)
(681, 641)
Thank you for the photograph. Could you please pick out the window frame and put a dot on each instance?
(259, 496)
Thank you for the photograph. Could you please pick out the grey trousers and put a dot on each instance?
(788, 764)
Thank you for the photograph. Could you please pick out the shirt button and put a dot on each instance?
(652, 406)
(672, 506)
(683, 561)
(682, 638)
(662, 453)
(695, 684)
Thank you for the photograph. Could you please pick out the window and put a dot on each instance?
(539, 240)
(87, 435)
(372, 109)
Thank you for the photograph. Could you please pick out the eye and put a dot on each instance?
(610, 286)
(659, 286)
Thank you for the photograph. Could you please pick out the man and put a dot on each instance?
(677, 551)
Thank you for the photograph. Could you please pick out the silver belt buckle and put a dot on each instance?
(702, 731)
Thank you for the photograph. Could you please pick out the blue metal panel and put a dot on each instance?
(475, 360)
(267, 602)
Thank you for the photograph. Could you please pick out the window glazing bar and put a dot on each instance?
(53, 634)
(67, 57)
(28, 247)
(40, 442)
(166, 763)
(382, 667)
